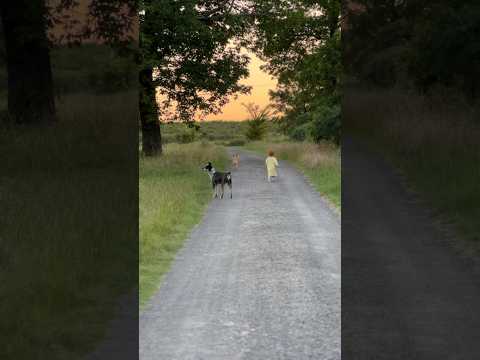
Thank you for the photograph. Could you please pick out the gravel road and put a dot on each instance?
(259, 278)
(407, 293)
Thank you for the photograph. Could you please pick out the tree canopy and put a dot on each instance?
(194, 50)
(417, 43)
(300, 40)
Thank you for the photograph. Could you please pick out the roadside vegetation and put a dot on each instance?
(174, 192)
(413, 95)
(438, 155)
(63, 255)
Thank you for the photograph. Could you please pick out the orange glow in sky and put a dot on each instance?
(260, 82)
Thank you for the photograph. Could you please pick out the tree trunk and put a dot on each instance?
(151, 134)
(151, 138)
(30, 84)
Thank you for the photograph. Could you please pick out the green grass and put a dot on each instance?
(228, 133)
(69, 215)
(174, 193)
(434, 141)
(68, 227)
(319, 162)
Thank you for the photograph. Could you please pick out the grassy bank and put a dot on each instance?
(173, 195)
(434, 140)
(320, 163)
(68, 226)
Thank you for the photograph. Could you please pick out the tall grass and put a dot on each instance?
(228, 133)
(434, 140)
(319, 162)
(68, 227)
(174, 192)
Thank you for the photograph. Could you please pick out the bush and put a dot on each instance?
(256, 129)
(327, 124)
(300, 133)
(257, 125)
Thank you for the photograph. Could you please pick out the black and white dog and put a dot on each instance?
(219, 179)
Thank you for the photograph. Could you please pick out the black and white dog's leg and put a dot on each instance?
(230, 184)
(214, 195)
(223, 189)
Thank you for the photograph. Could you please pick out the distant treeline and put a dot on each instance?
(421, 44)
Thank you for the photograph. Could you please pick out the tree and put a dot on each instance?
(191, 48)
(148, 107)
(26, 25)
(300, 40)
(416, 43)
(30, 84)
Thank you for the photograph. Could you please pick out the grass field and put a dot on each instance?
(64, 191)
(173, 195)
(229, 133)
(434, 140)
(319, 162)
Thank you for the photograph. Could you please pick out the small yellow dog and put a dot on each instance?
(236, 161)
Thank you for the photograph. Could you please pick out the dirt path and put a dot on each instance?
(259, 278)
(406, 293)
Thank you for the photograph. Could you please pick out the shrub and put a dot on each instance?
(256, 129)
(257, 124)
(327, 124)
(301, 133)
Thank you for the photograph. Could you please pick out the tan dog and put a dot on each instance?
(236, 161)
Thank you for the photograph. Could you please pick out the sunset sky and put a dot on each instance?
(260, 82)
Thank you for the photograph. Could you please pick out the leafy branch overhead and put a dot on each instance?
(194, 50)
(114, 22)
